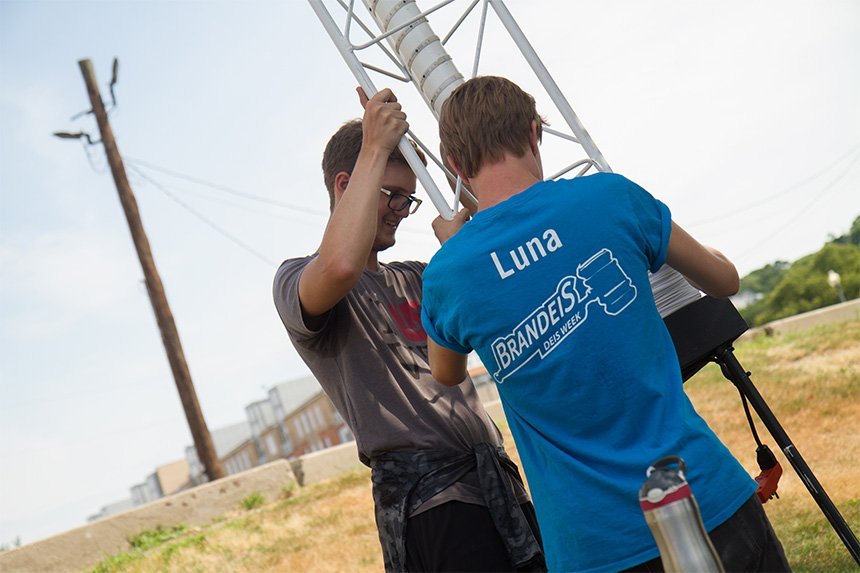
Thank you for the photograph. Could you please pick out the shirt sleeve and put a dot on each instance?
(654, 222)
(433, 313)
(286, 294)
(431, 331)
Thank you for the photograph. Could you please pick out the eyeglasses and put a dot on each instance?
(399, 201)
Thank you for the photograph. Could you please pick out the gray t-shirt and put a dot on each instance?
(370, 356)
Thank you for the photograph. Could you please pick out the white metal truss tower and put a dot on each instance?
(419, 56)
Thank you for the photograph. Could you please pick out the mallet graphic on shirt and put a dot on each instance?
(599, 280)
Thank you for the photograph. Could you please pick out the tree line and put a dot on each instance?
(787, 289)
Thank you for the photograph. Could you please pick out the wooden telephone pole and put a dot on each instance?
(169, 335)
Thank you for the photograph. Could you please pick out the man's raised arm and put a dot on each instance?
(349, 235)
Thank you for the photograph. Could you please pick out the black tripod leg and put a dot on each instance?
(736, 374)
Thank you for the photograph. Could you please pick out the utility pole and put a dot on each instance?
(167, 326)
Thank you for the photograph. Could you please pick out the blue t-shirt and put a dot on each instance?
(550, 288)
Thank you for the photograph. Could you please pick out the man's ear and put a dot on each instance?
(534, 138)
(341, 180)
(452, 164)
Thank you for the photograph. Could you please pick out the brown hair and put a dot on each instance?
(484, 118)
(341, 153)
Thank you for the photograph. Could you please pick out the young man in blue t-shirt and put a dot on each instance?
(548, 283)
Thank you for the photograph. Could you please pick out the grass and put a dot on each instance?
(140, 545)
(253, 501)
(810, 380)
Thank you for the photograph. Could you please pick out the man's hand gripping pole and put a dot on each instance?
(355, 66)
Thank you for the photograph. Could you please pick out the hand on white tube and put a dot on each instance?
(445, 229)
(384, 121)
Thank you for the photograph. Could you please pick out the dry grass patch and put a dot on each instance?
(810, 380)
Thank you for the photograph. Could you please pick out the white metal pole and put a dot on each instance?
(549, 84)
(364, 81)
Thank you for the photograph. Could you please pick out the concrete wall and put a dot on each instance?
(85, 546)
(841, 312)
(326, 464)
(332, 462)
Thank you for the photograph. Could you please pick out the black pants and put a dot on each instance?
(745, 542)
(458, 536)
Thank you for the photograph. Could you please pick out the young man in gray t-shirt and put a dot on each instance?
(436, 457)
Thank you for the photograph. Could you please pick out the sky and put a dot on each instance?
(742, 116)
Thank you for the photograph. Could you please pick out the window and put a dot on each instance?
(153, 487)
(345, 434)
(317, 413)
(138, 495)
(271, 444)
(288, 441)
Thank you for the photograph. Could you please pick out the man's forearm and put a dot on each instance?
(705, 267)
(351, 230)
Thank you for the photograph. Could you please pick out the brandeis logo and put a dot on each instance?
(599, 280)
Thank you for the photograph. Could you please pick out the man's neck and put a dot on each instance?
(502, 180)
(372, 262)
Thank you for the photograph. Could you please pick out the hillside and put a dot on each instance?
(810, 380)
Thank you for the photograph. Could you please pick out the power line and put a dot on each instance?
(223, 188)
(210, 223)
(803, 211)
(779, 194)
(230, 203)
(137, 163)
(135, 172)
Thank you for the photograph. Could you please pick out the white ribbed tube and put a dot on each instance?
(420, 50)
